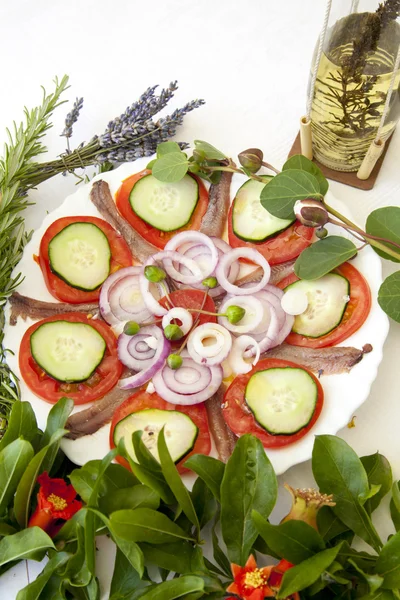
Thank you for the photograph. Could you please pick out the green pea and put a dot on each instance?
(173, 332)
(131, 328)
(174, 361)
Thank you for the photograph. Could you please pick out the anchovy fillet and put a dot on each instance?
(224, 438)
(213, 223)
(24, 307)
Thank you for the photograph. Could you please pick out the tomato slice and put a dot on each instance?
(241, 420)
(193, 299)
(151, 234)
(285, 246)
(102, 381)
(120, 257)
(141, 400)
(356, 312)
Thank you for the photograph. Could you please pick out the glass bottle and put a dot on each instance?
(356, 70)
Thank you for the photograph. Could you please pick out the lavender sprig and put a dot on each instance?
(72, 118)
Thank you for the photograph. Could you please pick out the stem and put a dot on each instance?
(270, 167)
(372, 241)
(205, 312)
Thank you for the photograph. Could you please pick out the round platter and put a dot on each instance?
(343, 393)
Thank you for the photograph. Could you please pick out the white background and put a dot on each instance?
(249, 61)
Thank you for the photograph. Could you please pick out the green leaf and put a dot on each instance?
(395, 505)
(67, 532)
(131, 551)
(385, 223)
(379, 472)
(176, 556)
(298, 161)
(39, 463)
(389, 296)
(307, 572)
(6, 529)
(374, 581)
(125, 579)
(137, 496)
(218, 554)
(174, 481)
(281, 194)
(379, 595)
(294, 541)
(209, 469)
(171, 167)
(338, 471)
(176, 588)
(204, 502)
(211, 153)
(84, 478)
(146, 525)
(22, 423)
(166, 148)
(151, 164)
(28, 543)
(329, 524)
(143, 455)
(76, 571)
(388, 563)
(33, 591)
(13, 461)
(323, 256)
(249, 483)
(56, 419)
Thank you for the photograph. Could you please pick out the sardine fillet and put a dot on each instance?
(22, 306)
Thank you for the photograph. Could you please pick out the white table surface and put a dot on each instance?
(250, 62)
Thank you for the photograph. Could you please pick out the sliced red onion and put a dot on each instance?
(126, 300)
(199, 239)
(104, 302)
(210, 378)
(229, 258)
(150, 365)
(294, 301)
(209, 354)
(252, 318)
(182, 315)
(269, 299)
(240, 345)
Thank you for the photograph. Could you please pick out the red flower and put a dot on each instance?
(252, 583)
(56, 502)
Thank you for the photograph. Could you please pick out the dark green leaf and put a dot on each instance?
(84, 478)
(395, 505)
(218, 554)
(131, 551)
(379, 595)
(385, 223)
(249, 483)
(151, 164)
(379, 472)
(174, 481)
(307, 572)
(210, 152)
(28, 480)
(53, 589)
(146, 525)
(209, 469)
(137, 496)
(389, 296)
(28, 543)
(56, 419)
(329, 524)
(176, 588)
(204, 502)
(143, 455)
(374, 581)
(33, 591)
(125, 579)
(13, 461)
(338, 471)
(323, 256)
(76, 571)
(294, 541)
(22, 423)
(166, 148)
(283, 191)
(175, 557)
(298, 161)
(388, 563)
(6, 529)
(171, 167)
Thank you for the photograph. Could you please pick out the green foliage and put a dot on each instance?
(389, 296)
(322, 257)
(285, 189)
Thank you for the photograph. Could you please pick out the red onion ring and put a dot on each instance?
(126, 301)
(199, 239)
(195, 380)
(236, 358)
(254, 312)
(182, 315)
(184, 395)
(227, 259)
(213, 354)
(104, 302)
(157, 362)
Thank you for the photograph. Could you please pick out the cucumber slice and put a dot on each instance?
(250, 221)
(80, 255)
(179, 430)
(327, 301)
(165, 206)
(67, 351)
(282, 400)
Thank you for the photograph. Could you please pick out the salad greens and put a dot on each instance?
(158, 526)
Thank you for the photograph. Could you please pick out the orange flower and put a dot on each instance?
(56, 503)
(252, 583)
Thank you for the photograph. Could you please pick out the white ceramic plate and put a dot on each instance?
(343, 393)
